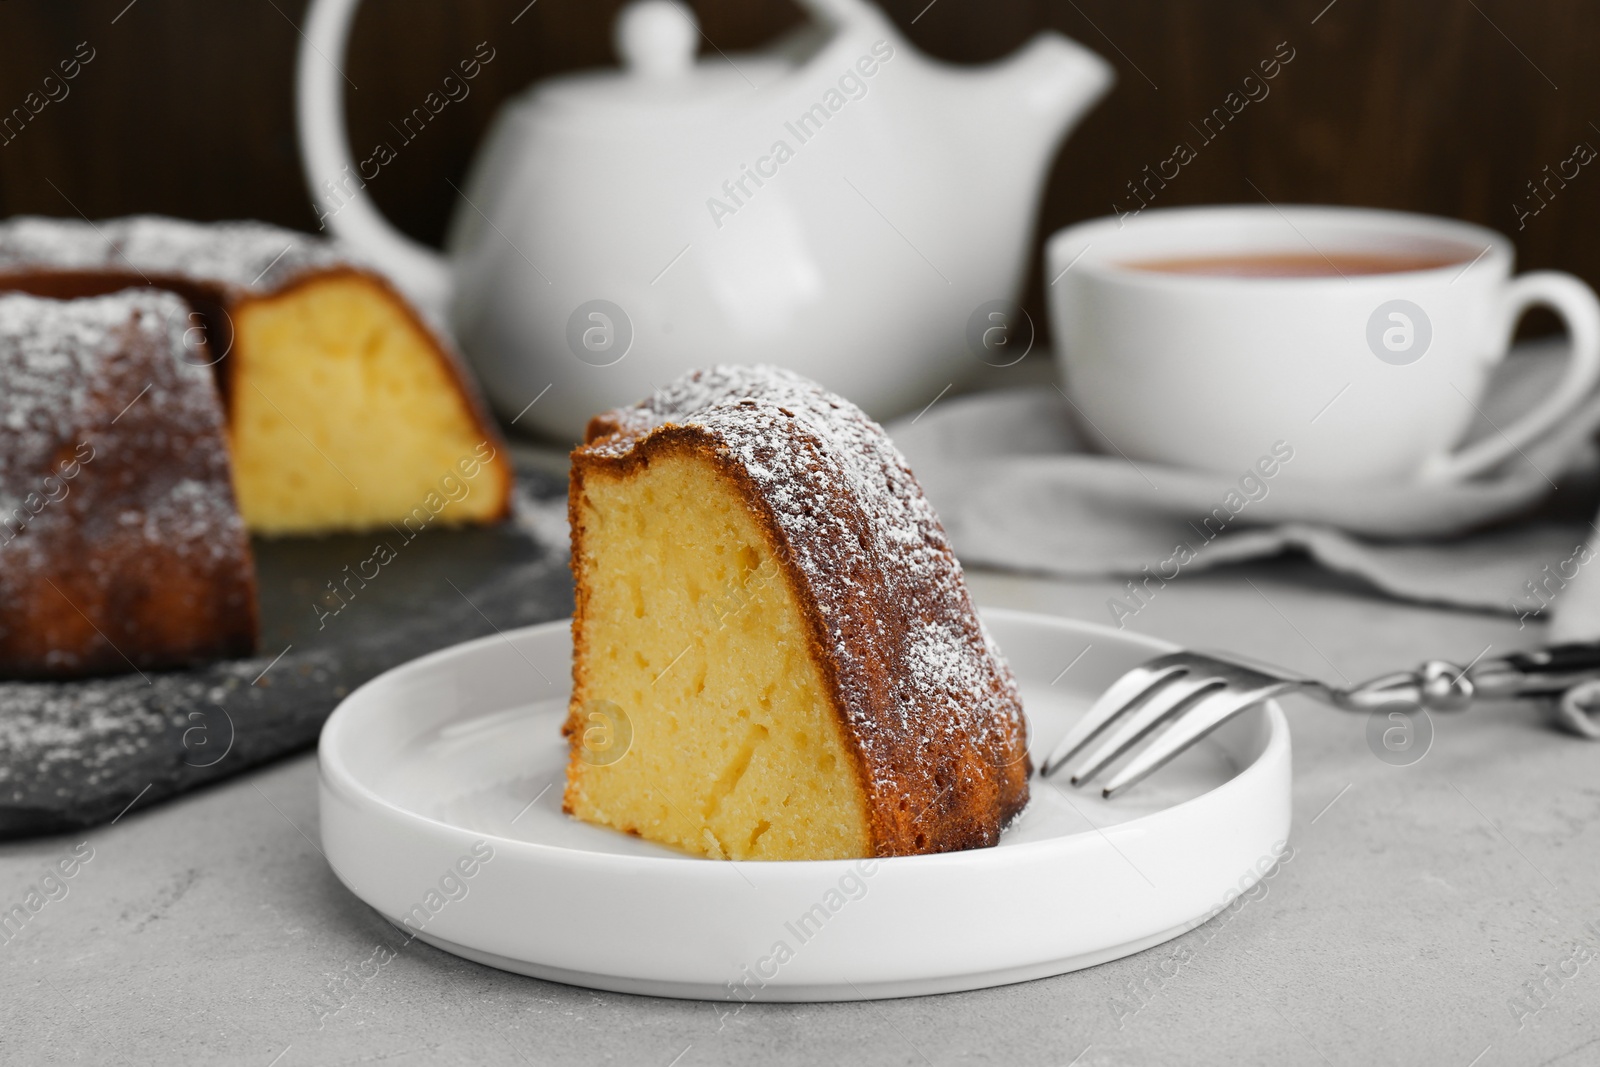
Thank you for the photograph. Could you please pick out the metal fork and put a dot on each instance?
(1193, 693)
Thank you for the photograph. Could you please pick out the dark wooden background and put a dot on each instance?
(1446, 106)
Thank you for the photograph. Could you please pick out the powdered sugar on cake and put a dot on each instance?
(112, 465)
(63, 391)
(866, 542)
(246, 255)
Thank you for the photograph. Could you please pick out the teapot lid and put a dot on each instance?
(657, 40)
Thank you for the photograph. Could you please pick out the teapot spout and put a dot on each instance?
(1046, 87)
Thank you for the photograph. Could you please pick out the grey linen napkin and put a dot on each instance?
(1017, 488)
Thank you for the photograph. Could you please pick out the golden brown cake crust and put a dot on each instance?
(928, 707)
(217, 267)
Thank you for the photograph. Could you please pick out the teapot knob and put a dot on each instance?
(657, 38)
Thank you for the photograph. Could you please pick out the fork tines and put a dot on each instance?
(1189, 693)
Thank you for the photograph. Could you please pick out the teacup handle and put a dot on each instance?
(1575, 302)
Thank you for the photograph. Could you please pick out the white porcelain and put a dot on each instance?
(1212, 372)
(856, 261)
(459, 754)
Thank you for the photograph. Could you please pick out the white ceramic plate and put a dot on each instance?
(438, 764)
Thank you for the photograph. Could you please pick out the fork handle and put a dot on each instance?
(1539, 672)
(1578, 656)
(1441, 686)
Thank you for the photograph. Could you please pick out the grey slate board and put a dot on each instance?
(76, 754)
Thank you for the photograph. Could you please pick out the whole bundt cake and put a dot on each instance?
(774, 652)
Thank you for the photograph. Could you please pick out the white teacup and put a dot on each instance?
(1368, 377)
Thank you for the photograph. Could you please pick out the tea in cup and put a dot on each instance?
(1364, 339)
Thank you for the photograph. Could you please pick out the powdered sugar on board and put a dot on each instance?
(543, 518)
(868, 544)
(77, 753)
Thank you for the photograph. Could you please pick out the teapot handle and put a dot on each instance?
(841, 12)
(337, 188)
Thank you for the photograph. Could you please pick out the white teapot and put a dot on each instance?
(840, 205)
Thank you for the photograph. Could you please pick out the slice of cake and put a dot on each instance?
(345, 410)
(120, 545)
(774, 653)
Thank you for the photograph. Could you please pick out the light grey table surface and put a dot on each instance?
(1420, 901)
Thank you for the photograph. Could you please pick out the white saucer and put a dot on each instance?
(461, 751)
